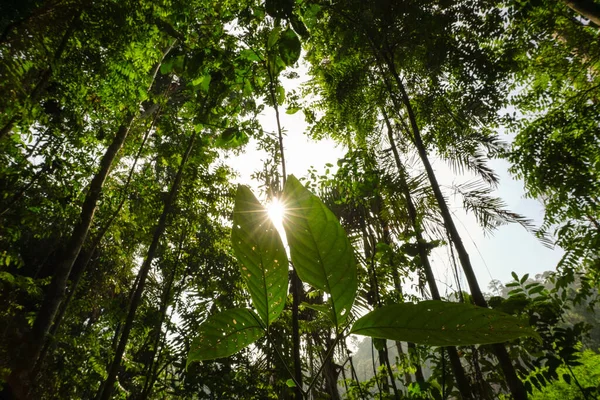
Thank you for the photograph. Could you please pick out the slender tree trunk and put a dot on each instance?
(391, 375)
(157, 335)
(331, 377)
(107, 387)
(355, 376)
(330, 369)
(375, 301)
(296, 283)
(56, 290)
(397, 287)
(586, 8)
(84, 257)
(462, 381)
(158, 332)
(514, 383)
(155, 373)
(296, 294)
(40, 87)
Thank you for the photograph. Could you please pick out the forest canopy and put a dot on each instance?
(132, 266)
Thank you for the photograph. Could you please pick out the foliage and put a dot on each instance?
(587, 375)
(556, 146)
(461, 324)
(317, 244)
(120, 226)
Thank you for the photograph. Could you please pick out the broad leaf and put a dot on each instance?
(224, 334)
(273, 37)
(260, 251)
(231, 138)
(438, 323)
(320, 250)
(289, 47)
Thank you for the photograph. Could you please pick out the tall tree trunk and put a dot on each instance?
(164, 305)
(330, 372)
(462, 381)
(149, 381)
(107, 387)
(84, 257)
(514, 383)
(374, 300)
(40, 87)
(56, 290)
(398, 287)
(296, 295)
(296, 283)
(586, 8)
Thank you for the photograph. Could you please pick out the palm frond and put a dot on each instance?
(491, 212)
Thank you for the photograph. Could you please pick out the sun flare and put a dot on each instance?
(276, 210)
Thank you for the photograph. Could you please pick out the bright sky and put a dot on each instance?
(511, 248)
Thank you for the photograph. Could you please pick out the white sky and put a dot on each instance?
(510, 248)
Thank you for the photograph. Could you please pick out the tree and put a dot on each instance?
(127, 254)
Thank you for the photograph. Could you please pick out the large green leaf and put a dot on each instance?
(224, 334)
(439, 323)
(289, 47)
(320, 250)
(260, 251)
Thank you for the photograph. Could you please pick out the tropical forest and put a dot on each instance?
(299, 199)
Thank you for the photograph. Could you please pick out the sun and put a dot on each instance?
(276, 210)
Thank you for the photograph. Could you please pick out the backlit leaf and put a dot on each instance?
(224, 334)
(289, 47)
(438, 323)
(260, 251)
(320, 250)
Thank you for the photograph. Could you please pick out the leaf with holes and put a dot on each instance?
(438, 323)
(224, 334)
(320, 250)
(262, 257)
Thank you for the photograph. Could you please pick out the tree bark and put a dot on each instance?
(516, 386)
(107, 387)
(586, 8)
(84, 257)
(375, 302)
(462, 382)
(55, 293)
(388, 366)
(296, 283)
(149, 383)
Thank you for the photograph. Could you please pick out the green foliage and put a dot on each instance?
(437, 323)
(579, 382)
(555, 150)
(289, 47)
(225, 334)
(320, 250)
(262, 257)
(73, 75)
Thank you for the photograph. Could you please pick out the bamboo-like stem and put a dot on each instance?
(296, 284)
